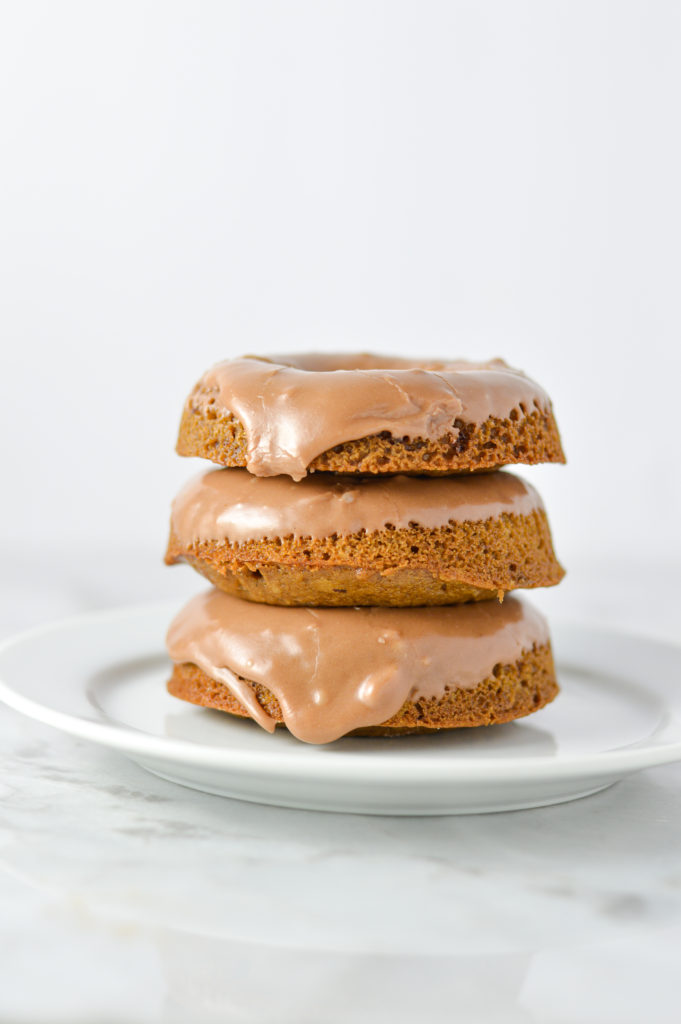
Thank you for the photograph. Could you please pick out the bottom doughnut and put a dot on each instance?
(511, 692)
(332, 672)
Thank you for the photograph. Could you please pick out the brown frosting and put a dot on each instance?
(234, 505)
(295, 407)
(338, 669)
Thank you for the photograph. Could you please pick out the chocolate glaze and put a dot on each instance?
(234, 505)
(294, 407)
(338, 669)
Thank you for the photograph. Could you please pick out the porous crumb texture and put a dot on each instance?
(512, 691)
(463, 561)
(528, 436)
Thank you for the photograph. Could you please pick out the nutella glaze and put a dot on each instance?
(294, 407)
(338, 669)
(234, 505)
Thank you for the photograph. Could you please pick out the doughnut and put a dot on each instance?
(334, 541)
(369, 414)
(324, 673)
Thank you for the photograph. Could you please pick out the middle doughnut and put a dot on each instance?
(334, 541)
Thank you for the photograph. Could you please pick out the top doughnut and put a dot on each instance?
(362, 413)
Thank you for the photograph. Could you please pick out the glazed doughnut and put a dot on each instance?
(367, 414)
(334, 541)
(326, 673)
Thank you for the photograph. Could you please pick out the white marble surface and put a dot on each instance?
(124, 898)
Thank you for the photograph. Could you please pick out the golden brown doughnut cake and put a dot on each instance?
(333, 541)
(327, 673)
(367, 414)
(514, 691)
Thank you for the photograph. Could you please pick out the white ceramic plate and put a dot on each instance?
(102, 677)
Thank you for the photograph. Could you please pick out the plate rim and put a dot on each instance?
(343, 768)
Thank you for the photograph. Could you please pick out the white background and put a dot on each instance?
(182, 182)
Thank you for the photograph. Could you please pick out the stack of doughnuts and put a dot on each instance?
(361, 538)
